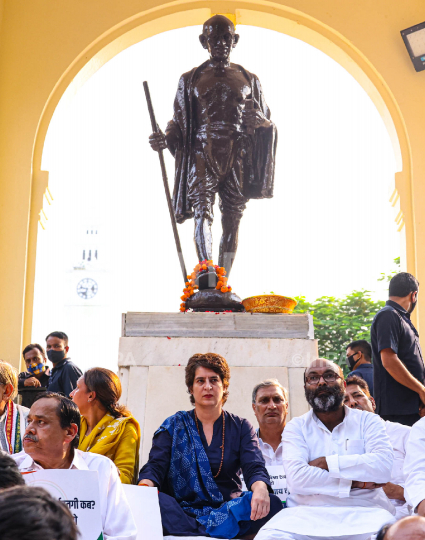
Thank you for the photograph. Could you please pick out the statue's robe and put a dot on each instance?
(180, 131)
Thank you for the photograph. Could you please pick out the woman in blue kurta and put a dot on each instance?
(197, 458)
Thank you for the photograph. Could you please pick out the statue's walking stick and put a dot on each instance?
(155, 129)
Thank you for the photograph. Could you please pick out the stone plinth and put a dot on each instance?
(155, 348)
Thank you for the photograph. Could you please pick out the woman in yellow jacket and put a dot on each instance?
(107, 428)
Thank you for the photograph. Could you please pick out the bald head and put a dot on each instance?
(322, 365)
(218, 22)
(218, 38)
(408, 528)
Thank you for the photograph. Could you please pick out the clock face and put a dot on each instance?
(87, 288)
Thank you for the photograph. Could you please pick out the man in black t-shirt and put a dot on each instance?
(399, 371)
(65, 373)
(359, 360)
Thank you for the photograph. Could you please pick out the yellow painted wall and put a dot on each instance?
(1, 12)
(46, 44)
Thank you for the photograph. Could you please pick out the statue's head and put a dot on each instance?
(218, 37)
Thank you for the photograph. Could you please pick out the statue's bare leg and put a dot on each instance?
(229, 240)
(203, 239)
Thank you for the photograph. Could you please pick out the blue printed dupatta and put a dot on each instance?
(193, 485)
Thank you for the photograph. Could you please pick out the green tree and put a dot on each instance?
(338, 321)
(388, 277)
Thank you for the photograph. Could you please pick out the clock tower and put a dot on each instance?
(87, 279)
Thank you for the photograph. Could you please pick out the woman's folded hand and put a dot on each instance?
(260, 502)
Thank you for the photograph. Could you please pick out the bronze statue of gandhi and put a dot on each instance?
(223, 142)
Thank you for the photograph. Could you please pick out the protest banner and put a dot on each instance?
(79, 490)
(277, 482)
(144, 506)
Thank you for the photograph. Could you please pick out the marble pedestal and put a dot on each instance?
(155, 347)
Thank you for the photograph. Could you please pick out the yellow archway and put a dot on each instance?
(161, 17)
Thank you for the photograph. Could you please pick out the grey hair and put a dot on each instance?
(264, 384)
(9, 375)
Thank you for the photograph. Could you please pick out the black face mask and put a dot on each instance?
(55, 356)
(413, 305)
(351, 362)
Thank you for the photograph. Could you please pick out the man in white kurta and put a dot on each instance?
(357, 396)
(336, 459)
(414, 468)
(50, 442)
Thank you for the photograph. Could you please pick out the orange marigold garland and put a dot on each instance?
(200, 268)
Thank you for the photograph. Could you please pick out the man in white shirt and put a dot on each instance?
(336, 459)
(357, 396)
(270, 406)
(12, 417)
(50, 442)
(414, 468)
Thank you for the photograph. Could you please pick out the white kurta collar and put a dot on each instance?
(77, 463)
(313, 416)
(28, 463)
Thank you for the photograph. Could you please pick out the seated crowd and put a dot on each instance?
(349, 474)
(345, 472)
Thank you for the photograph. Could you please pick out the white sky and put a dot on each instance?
(328, 230)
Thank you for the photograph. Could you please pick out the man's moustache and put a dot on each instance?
(323, 392)
(31, 438)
